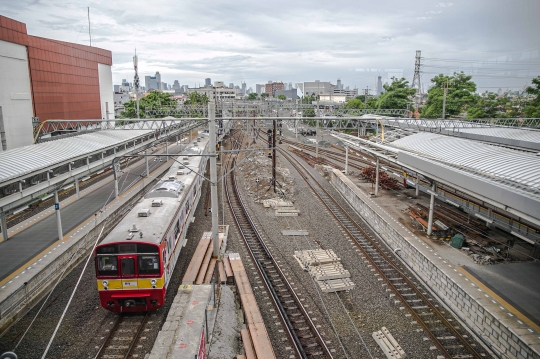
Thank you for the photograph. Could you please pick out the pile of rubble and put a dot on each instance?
(257, 174)
(385, 181)
(326, 268)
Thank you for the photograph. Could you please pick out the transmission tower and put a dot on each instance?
(416, 83)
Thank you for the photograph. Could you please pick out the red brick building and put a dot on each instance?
(270, 89)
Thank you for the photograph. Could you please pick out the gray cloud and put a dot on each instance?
(294, 41)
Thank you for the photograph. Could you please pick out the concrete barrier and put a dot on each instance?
(507, 342)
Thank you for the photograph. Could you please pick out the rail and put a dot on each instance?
(392, 275)
(304, 344)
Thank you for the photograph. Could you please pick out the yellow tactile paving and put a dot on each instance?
(501, 301)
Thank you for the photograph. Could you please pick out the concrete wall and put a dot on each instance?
(106, 94)
(480, 320)
(15, 96)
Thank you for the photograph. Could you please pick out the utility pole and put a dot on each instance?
(136, 81)
(213, 177)
(274, 156)
(416, 83)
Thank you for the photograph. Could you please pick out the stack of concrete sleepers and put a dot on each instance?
(326, 268)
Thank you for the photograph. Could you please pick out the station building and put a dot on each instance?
(43, 79)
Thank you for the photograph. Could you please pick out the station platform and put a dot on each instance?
(464, 289)
(517, 284)
(29, 239)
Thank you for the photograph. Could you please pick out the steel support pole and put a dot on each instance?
(417, 190)
(274, 156)
(317, 140)
(115, 179)
(58, 218)
(3, 224)
(431, 207)
(147, 167)
(77, 188)
(346, 159)
(489, 216)
(213, 177)
(377, 178)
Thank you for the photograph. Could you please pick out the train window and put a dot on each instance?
(107, 265)
(147, 248)
(128, 266)
(149, 264)
(106, 249)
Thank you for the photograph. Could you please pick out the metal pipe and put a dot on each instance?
(213, 177)
(377, 178)
(77, 188)
(3, 224)
(346, 159)
(58, 217)
(147, 168)
(431, 207)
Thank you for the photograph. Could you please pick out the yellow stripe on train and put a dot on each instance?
(130, 283)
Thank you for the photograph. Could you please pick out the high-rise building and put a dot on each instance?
(271, 88)
(339, 85)
(153, 82)
(290, 86)
(259, 88)
(318, 87)
(207, 82)
(231, 85)
(379, 85)
(176, 85)
(243, 88)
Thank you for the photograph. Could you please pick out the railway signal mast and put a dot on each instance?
(136, 81)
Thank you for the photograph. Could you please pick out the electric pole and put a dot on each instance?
(416, 83)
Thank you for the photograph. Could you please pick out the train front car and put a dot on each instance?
(135, 261)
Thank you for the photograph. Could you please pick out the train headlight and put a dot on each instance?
(105, 283)
(153, 282)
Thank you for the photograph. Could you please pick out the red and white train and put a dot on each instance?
(134, 263)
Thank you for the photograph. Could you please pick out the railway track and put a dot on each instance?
(305, 338)
(123, 336)
(448, 336)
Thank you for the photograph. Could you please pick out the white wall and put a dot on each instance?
(15, 95)
(106, 93)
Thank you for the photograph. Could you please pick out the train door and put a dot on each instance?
(128, 263)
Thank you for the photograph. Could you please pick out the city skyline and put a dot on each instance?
(321, 41)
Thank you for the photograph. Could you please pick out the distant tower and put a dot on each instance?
(207, 82)
(243, 88)
(339, 85)
(416, 83)
(379, 85)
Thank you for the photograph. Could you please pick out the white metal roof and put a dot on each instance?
(25, 160)
(506, 132)
(515, 168)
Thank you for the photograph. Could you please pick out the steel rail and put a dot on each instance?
(390, 262)
(113, 332)
(240, 214)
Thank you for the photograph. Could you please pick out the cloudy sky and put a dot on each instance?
(294, 41)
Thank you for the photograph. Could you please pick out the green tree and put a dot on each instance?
(281, 97)
(396, 95)
(532, 109)
(308, 99)
(308, 112)
(195, 98)
(264, 95)
(460, 95)
(355, 104)
(153, 100)
(252, 96)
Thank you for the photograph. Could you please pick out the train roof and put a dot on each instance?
(152, 215)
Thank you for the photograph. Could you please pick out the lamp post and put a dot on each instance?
(136, 81)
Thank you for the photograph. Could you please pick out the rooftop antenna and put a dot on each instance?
(89, 33)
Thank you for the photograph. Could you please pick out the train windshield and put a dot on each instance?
(149, 264)
(107, 265)
(128, 266)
